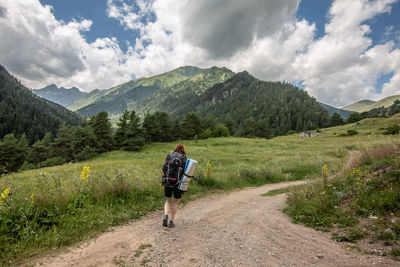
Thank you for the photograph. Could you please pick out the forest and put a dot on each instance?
(22, 112)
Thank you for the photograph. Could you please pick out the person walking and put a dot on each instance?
(173, 170)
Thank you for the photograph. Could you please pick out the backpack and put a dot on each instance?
(173, 169)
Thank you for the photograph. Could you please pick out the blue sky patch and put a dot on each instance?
(96, 11)
(382, 79)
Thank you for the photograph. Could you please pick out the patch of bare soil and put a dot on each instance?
(239, 228)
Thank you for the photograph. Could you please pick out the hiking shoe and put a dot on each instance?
(165, 220)
(171, 224)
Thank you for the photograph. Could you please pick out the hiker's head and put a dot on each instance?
(180, 148)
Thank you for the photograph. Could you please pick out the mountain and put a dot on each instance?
(23, 112)
(155, 93)
(344, 113)
(360, 106)
(59, 95)
(168, 99)
(367, 105)
(251, 105)
(116, 99)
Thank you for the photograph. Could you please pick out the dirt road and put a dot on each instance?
(239, 228)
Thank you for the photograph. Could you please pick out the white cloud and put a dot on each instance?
(343, 66)
(263, 37)
(41, 50)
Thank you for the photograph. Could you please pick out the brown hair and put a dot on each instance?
(180, 148)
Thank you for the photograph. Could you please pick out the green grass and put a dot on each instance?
(362, 203)
(123, 186)
(279, 191)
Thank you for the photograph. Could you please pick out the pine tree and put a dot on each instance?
(176, 130)
(336, 119)
(354, 117)
(41, 149)
(230, 124)
(102, 129)
(249, 127)
(62, 146)
(134, 139)
(23, 147)
(11, 156)
(165, 124)
(121, 130)
(151, 128)
(84, 142)
(191, 126)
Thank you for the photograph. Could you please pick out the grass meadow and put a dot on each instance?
(50, 208)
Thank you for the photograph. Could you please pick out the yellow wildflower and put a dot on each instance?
(85, 174)
(208, 166)
(325, 170)
(4, 195)
(32, 198)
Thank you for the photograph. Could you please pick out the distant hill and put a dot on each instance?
(23, 112)
(257, 106)
(59, 95)
(360, 106)
(344, 113)
(367, 105)
(113, 100)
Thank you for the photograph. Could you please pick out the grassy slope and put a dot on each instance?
(366, 106)
(359, 106)
(360, 206)
(281, 158)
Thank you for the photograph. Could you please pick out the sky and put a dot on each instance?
(339, 51)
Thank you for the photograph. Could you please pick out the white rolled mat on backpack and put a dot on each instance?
(188, 173)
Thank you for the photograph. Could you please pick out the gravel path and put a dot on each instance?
(239, 228)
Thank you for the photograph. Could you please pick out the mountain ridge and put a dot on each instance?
(59, 95)
(159, 81)
(127, 95)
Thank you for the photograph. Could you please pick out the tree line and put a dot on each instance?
(96, 136)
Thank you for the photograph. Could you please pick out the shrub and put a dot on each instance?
(290, 132)
(207, 133)
(393, 129)
(27, 166)
(52, 162)
(220, 130)
(351, 132)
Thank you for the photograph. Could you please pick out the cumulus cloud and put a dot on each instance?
(222, 27)
(41, 50)
(263, 37)
(343, 66)
(36, 43)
